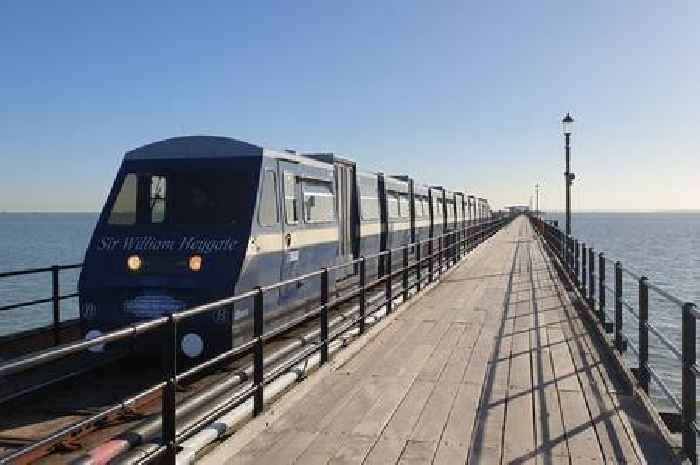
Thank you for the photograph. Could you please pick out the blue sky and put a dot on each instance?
(465, 94)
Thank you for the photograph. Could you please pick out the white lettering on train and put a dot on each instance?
(153, 244)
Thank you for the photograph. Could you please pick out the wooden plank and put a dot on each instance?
(352, 412)
(418, 453)
(322, 449)
(488, 437)
(519, 429)
(459, 359)
(274, 448)
(320, 404)
(564, 368)
(406, 415)
(438, 359)
(581, 437)
(434, 416)
(385, 452)
(393, 391)
(454, 444)
(353, 451)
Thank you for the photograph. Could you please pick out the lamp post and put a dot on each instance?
(567, 125)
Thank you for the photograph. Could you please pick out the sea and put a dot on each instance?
(664, 246)
(39, 240)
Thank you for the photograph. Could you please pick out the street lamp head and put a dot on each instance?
(567, 124)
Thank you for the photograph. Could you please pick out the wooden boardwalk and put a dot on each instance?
(492, 366)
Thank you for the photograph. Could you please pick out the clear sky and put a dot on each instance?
(465, 94)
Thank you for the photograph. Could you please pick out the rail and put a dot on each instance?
(441, 253)
(56, 296)
(580, 264)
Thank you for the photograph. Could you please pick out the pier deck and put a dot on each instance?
(492, 366)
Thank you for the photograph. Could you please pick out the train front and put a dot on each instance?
(172, 235)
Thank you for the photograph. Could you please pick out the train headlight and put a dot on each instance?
(195, 263)
(134, 263)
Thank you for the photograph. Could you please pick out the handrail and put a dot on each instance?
(47, 269)
(56, 296)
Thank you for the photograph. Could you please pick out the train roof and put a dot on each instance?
(195, 147)
(214, 147)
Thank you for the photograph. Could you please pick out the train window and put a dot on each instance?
(188, 197)
(158, 184)
(437, 205)
(319, 201)
(291, 204)
(404, 206)
(392, 200)
(267, 214)
(369, 202)
(124, 210)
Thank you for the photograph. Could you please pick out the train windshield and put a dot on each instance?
(184, 198)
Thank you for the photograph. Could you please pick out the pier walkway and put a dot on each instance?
(491, 366)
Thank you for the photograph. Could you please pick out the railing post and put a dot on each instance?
(363, 294)
(168, 423)
(618, 307)
(460, 243)
(324, 316)
(562, 250)
(576, 263)
(258, 352)
(688, 382)
(601, 287)
(456, 244)
(388, 291)
(419, 265)
(431, 252)
(584, 270)
(644, 334)
(405, 273)
(440, 245)
(56, 300)
(591, 278)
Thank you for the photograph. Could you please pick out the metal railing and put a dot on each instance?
(55, 299)
(580, 264)
(451, 248)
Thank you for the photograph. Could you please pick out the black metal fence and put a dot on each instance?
(56, 296)
(589, 270)
(428, 263)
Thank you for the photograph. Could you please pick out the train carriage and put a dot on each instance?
(195, 219)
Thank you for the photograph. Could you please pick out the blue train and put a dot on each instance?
(194, 219)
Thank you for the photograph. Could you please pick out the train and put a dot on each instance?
(194, 219)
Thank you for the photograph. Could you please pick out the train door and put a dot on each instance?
(292, 230)
(344, 175)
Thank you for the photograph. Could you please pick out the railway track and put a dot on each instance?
(49, 409)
